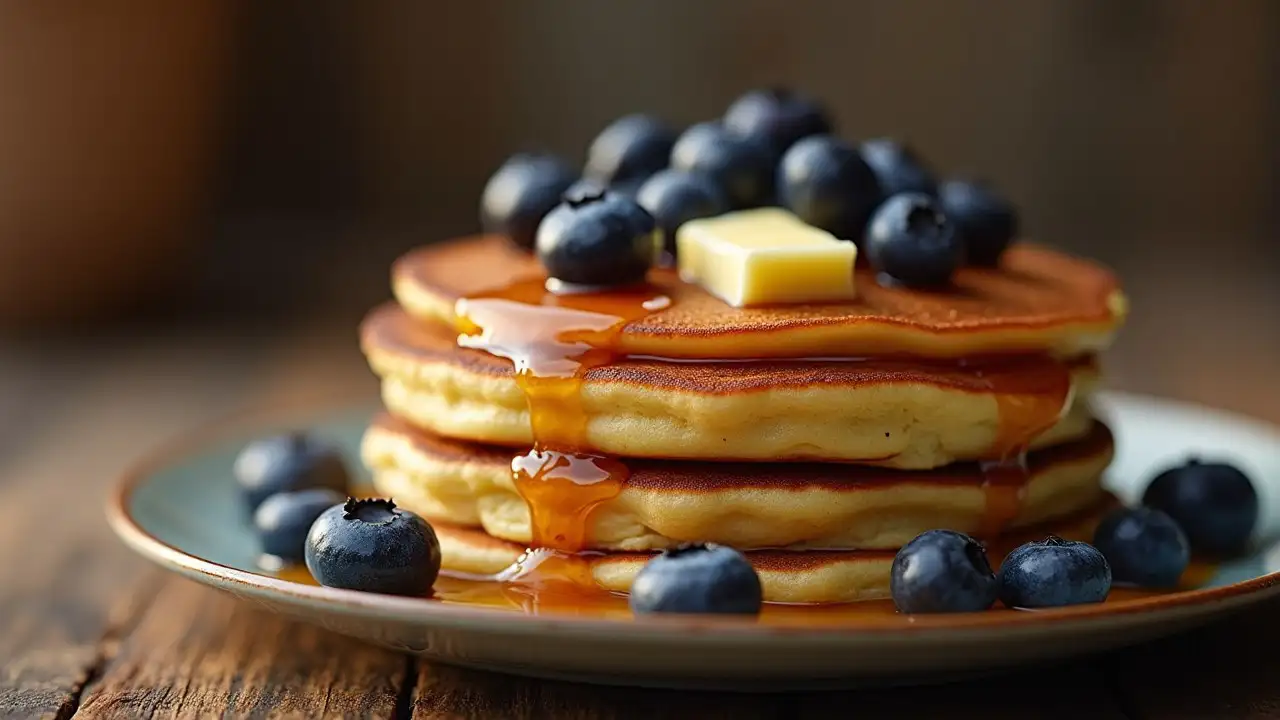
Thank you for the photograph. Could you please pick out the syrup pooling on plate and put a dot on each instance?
(553, 339)
(552, 584)
(547, 579)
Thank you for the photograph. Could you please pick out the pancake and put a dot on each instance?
(744, 505)
(831, 576)
(1038, 300)
(895, 412)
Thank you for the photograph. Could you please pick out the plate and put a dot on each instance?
(179, 509)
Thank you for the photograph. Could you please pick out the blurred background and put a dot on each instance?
(206, 194)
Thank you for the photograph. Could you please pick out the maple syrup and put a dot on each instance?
(1022, 417)
(552, 584)
(561, 489)
(1004, 486)
(553, 339)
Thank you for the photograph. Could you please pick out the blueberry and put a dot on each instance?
(987, 221)
(675, 197)
(1052, 573)
(521, 193)
(825, 182)
(942, 571)
(740, 166)
(911, 241)
(777, 117)
(283, 520)
(285, 463)
(586, 186)
(629, 150)
(598, 239)
(697, 579)
(1215, 504)
(1144, 547)
(897, 167)
(374, 546)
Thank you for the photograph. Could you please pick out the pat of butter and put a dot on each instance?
(765, 256)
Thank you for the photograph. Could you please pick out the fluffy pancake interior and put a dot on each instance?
(744, 505)
(896, 413)
(789, 577)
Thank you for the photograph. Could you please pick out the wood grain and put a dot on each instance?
(68, 589)
(1227, 670)
(199, 653)
(1076, 690)
(444, 692)
(1071, 691)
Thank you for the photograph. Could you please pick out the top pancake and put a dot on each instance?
(1038, 300)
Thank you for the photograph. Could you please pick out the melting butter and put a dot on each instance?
(765, 256)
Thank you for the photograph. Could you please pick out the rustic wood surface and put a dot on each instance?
(88, 629)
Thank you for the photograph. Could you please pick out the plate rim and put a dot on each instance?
(245, 423)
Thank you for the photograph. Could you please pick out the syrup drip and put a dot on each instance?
(1004, 486)
(553, 340)
(561, 489)
(1023, 417)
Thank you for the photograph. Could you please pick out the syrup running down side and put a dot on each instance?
(553, 339)
(1022, 418)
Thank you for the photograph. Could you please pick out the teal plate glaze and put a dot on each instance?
(179, 509)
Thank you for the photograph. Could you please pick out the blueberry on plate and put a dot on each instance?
(1144, 547)
(897, 167)
(911, 241)
(520, 193)
(778, 117)
(1052, 573)
(674, 197)
(629, 150)
(1214, 503)
(702, 578)
(284, 463)
(987, 221)
(825, 182)
(374, 546)
(740, 166)
(942, 571)
(597, 239)
(283, 520)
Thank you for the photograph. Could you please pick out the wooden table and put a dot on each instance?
(87, 629)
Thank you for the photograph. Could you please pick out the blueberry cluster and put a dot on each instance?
(771, 147)
(1208, 508)
(296, 489)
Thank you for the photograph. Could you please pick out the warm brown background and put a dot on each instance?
(1141, 132)
(199, 199)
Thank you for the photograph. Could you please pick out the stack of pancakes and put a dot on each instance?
(817, 439)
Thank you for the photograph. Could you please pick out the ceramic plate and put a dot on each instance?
(179, 510)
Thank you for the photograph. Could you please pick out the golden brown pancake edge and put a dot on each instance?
(1040, 300)
(704, 476)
